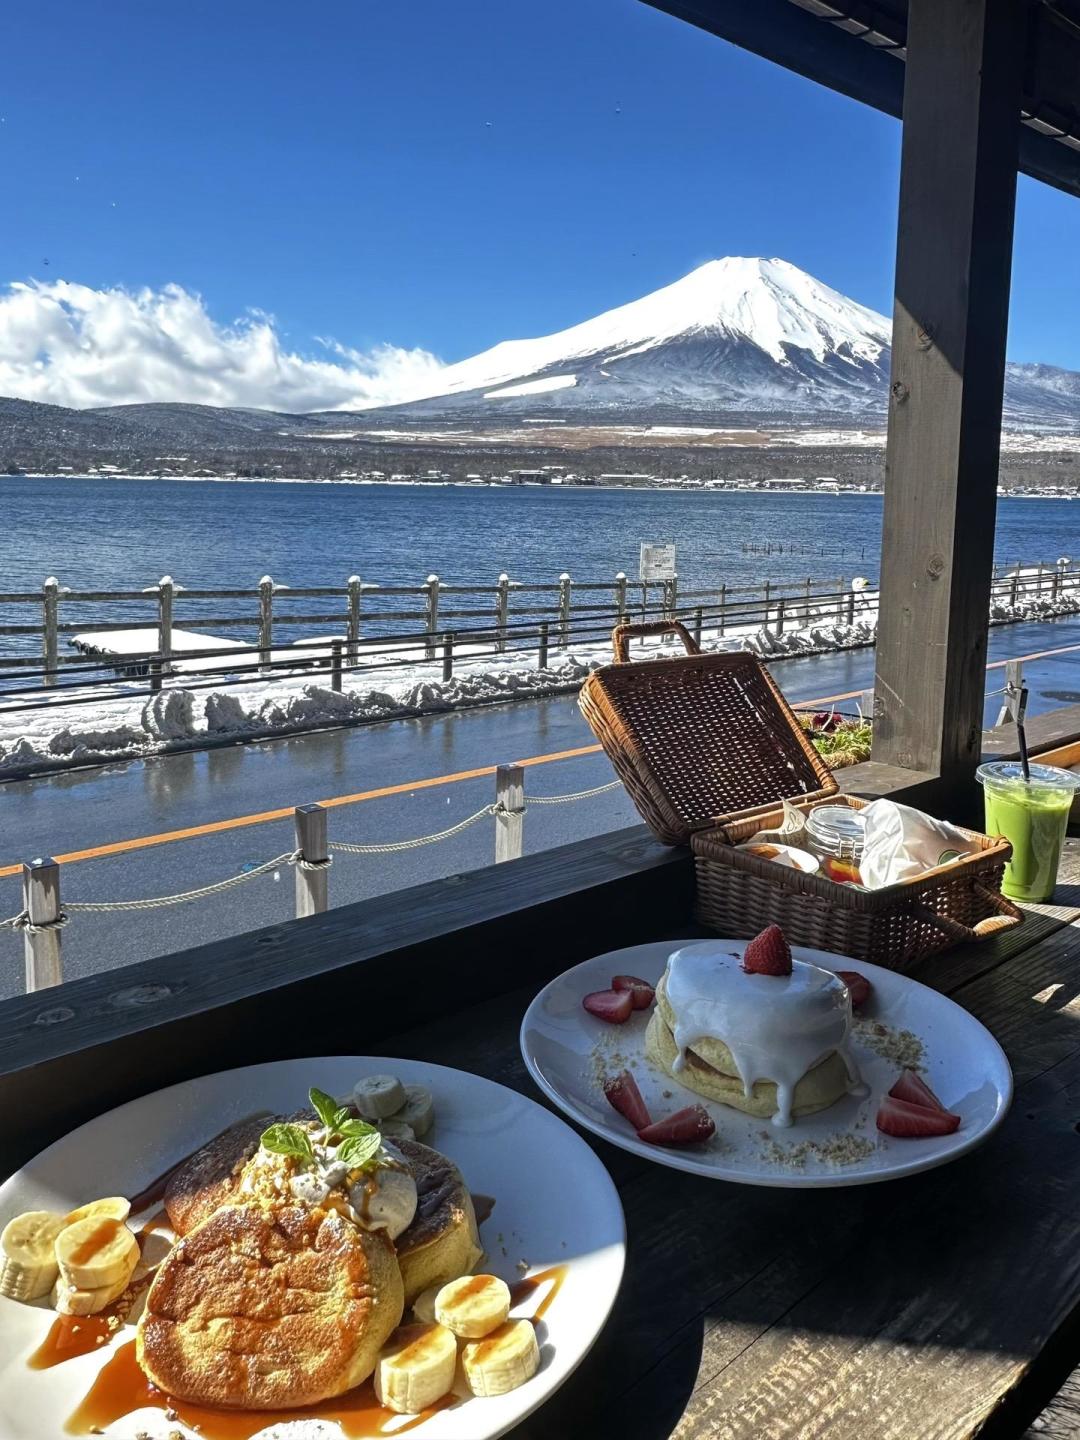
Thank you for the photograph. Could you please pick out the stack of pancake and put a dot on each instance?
(268, 1303)
(710, 1070)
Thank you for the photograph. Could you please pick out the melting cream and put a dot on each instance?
(777, 1027)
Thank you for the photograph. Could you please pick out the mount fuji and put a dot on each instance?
(738, 339)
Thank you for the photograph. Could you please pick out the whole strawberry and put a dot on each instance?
(768, 953)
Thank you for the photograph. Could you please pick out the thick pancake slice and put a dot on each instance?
(211, 1177)
(710, 1071)
(443, 1241)
(263, 1309)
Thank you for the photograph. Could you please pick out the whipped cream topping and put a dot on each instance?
(777, 1027)
(382, 1197)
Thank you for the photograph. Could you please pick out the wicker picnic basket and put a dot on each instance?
(708, 747)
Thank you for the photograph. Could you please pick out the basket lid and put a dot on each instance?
(700, 740)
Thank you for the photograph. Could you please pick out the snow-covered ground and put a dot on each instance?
(116, 721)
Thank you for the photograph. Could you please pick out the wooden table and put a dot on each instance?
(944, 1305)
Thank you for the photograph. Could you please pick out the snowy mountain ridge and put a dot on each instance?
(745, 338)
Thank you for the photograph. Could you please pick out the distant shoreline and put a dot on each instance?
(562, 487)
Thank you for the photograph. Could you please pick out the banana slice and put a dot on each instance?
(73, 1300)
(423, 1306)
(114, 1207)
(473, 1306)
(416, 1368)
(395, 1129)
(96, 1252)
(377, 1097)
(418, 1110)
(503, 1360)
(27, 1263)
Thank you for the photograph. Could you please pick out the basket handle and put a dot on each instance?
(1007, 916)
(623, 634)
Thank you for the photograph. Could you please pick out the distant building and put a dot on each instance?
(530, 477)
(624, 478)
(787, 482)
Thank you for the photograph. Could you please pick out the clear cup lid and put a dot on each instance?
(838, 822)
(1005, 772)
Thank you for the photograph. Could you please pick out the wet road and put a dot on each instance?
(98, 806)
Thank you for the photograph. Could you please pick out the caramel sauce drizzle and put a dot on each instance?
(98, 1238)
(525, 1289)
(121, 1387)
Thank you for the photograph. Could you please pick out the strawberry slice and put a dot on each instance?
(913, 1122)
(685, 1127)
(768, 953)
(914, 1089)
(614, 1006)
(622, 1092)
(641, 990)
(860, 988)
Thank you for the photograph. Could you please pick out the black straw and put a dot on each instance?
(1021, 737)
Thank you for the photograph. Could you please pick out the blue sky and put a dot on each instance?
(445, 175)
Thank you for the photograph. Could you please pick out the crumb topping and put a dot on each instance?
(902, 1047)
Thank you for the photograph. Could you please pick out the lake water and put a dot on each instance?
(125, 534)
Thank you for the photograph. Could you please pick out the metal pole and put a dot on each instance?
(723, 607)
(155, 673)
(806, 608)
(674, 597)
(352, 625)
(697, 626)
(166, 593)
(312, 886)
(335, 665)
(839, 599)
(510, 818)
(266, 619)
(448, 656)
(502, 605)
(565, 584)
(41, 901)
(50, 599)
(768, 593)
(542, 653)
(780, 615)
(851, 607)
(431, 615)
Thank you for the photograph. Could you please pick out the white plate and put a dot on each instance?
(964, 1065)
(555, 1206)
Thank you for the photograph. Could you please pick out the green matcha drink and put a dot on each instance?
(1032, 815)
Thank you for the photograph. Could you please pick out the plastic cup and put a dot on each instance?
(1032, 816)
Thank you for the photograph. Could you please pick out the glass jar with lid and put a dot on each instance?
(835, 834)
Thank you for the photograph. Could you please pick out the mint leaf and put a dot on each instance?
(287, 1140)
(351, 1128)
(358, 1150)
(325, 1106)
(342, 1117)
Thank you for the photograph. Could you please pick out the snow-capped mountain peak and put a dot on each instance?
(771, 303)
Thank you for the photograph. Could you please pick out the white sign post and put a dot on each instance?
(657, 563)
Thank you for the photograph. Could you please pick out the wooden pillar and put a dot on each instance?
(954, 251)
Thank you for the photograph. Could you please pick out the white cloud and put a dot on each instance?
(68, 344)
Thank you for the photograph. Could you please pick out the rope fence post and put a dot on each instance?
(448, 655)
(335, 666)
(50, 603)
(431, 615)
(806, 607)
(41, 904)
(542, 652)
(155, 674)
(840, 600)
(565, 585)
(266, 619)
(510, 812)
(697, 626)
(352, 623)
(768, 596)
(780, 604)
(1013, 588)
(723, 609)
(502, 606)
(312, 886)
(851, 607)
(1010, 704)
